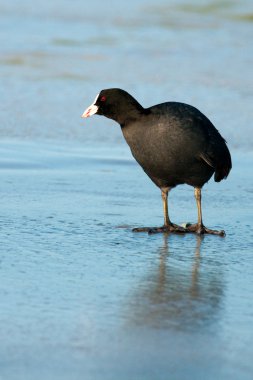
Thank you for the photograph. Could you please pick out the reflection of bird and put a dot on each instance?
(173, 142)
(174, 297)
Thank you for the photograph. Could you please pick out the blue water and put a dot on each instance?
(56, 56)
(81, 296)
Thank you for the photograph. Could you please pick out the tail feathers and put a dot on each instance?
(223, 168)
(221, 163)
(221, 174)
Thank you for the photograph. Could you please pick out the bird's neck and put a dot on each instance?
(126, 114)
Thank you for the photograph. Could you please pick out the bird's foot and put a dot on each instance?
(171, 228)
(201, 230)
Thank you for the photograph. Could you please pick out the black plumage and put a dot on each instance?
(173, 142)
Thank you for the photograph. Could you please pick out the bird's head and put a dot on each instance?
(115, 104)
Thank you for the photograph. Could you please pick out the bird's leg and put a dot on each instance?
(199, 228)
(197, 194)
(164, 193)
(168, 225)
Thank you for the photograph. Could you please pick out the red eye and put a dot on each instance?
(103, 99)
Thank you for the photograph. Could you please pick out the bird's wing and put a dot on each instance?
(217, 154)
(186, 124)
(207, 159)
(214, 150)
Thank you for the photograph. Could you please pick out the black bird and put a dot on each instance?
(173, 142)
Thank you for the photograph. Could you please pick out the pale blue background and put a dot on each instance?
(81, 296)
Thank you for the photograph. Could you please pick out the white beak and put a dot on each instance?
(91, 110)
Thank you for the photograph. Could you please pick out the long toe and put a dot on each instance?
(171, 228)
(212, 232)
(201, 230)
(142, 229)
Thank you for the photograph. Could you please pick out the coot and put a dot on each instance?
(173, 142)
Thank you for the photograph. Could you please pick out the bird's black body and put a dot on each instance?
(173, 142)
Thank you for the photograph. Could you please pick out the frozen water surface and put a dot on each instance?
(81, 295)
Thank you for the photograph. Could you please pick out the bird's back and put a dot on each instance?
(175, 143)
